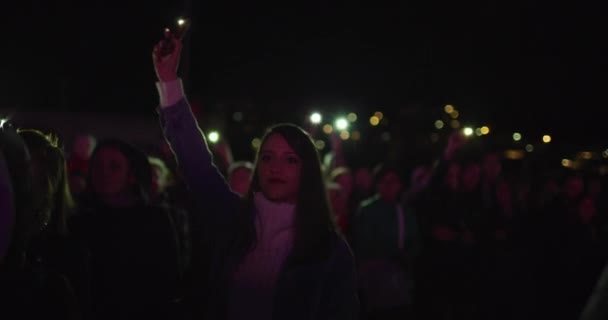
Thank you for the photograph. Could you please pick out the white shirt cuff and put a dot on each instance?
(170, 92)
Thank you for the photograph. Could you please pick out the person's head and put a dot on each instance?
(573, 187)
(288, 170)
(84, 144)
(52, 198)
(587, 210)
(161, 176)
(344, 178)
(17, 162)
(388, 182)
(364, 182)
(119, 174)
(492, 166)
(287, 165)
(239, 177)
(471, 176)
(337, 199)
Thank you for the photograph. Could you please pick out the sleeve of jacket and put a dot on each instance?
(207, 186)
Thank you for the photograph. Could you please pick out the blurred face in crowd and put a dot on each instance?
(470, 177)
(491, 167)
(239, 180)
(453, 176)
(346, 183)
(587, 210)
(364, 180)
(573, 187)
(110, 174)
(337, 200)
(278, 170)
(84, 146)
(389, 187)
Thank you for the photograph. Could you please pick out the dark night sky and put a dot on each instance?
(521, 64)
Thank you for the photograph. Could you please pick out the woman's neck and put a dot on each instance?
(274, 216)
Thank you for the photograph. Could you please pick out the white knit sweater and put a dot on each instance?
(256, 278)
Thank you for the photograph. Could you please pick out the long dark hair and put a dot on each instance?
(314, 223)
(17, 159)
(54, 199)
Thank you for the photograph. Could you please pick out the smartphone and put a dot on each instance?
(181, 27)
(183, 24)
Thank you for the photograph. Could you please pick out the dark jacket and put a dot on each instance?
(312, 289)
(133, 261)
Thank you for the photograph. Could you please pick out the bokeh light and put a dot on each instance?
(352, 117)
(517, 136)
(316, 118)
(374, 121)
(344, 135)
(213, 136)
(341, 124)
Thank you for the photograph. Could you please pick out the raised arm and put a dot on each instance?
(207, 186)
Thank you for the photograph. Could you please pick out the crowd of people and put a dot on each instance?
(109, 232)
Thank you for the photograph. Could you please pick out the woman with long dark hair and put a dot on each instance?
(133, 244)
(27, 291)
(276, 253)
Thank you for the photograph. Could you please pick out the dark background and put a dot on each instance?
(530, 66)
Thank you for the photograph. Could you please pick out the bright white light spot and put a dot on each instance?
(214, 136)
(341, 124)
(316, 118)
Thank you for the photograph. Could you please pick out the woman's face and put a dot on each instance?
(110, 175)
(279, 170)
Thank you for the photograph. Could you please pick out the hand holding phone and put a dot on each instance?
(179, 32)
(166, 53)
